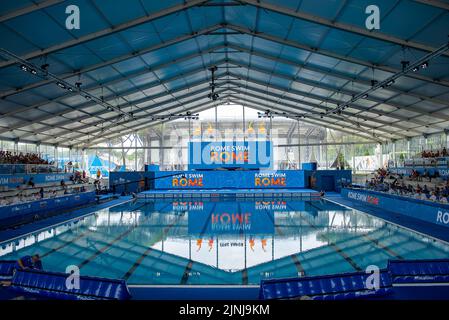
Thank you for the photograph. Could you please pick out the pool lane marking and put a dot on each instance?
(245, 276)
(383, 247)
(139, 261)
(186, 274)
(136, 264)
(295, 256)
(243, 235)
(110, 244)
(333, 245)
(376, 242)
(66, 243)
(188, 268)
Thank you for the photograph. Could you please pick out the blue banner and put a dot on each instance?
(230, 154)
(12, 181)
(231, 218)
(264, 179)
(432, 212)
(44, 206)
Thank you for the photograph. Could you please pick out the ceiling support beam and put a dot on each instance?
(337, 56)
(320, 107)
(329, 125)
(330, 72)
(184, 5)
(170, 109)
(312, 96)
(334, 90)
(105, 120)
(360, 31)
(122, 58)
(435, 3)
(29, 9)
(197, 108)
(129, 76)
(316, 118)
(112, 97)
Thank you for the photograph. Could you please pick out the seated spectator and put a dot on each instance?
(433, 197)
(443, 199)
(423, 196)
(7, 157)
(29, 262)
(426, 175)
(31, 182)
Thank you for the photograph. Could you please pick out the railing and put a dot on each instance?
(33, 168)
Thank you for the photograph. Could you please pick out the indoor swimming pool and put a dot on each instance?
(174, 242)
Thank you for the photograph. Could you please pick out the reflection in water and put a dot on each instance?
(222, 242)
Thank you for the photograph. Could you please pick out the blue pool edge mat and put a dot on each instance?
(52, 285)
(419, 271)
(7, 269)
(342, 286)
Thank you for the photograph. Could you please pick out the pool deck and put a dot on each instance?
(224, 193)
(415, 225)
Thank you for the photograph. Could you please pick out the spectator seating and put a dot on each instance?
(8, 157)
(329, 287)
(53, 285)
(51, 190)
(419, 271)
(421, 187)
(6, 269)
(422, 275)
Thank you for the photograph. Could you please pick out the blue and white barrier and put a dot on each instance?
(13, 181)
(431, 212)
(19, 212)
(229, 179)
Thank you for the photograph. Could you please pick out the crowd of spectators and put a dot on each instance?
(8, 157)
(28, 191)
(398, 184)
(434, 154)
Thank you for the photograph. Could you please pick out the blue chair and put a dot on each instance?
(329, 287)
(52, 285)
(7, 269)
(419, 271)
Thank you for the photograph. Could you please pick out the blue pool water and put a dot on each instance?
(222, 242)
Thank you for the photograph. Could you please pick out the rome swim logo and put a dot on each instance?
(248, 154)
(229, 154)
(188, 206)
(270, 179)
(231, 221)
(188, 180)
(363, 197)
(271, 205)
(443, 217)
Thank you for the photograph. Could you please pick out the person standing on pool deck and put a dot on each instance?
(29, 262)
